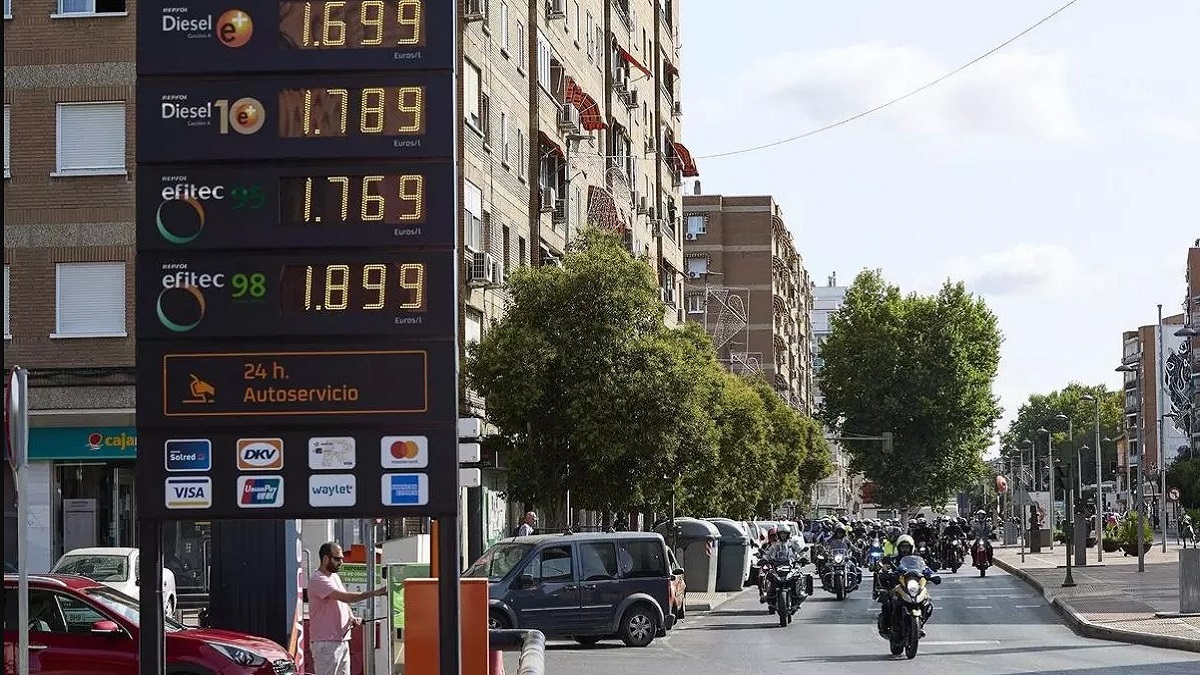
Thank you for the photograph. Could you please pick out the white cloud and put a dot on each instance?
(1014, 93)
(1177, 129)
(1022, 270)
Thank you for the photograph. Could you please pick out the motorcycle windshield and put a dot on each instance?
(912, 564)
(838, 546)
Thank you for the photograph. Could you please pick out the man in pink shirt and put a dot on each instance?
(329, 617)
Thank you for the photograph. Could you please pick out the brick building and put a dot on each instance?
(748, 285)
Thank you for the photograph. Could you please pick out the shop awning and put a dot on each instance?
(686, 164)
(549, 143)
(589, 110)
(632, 61)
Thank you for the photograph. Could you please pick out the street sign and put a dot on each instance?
(1173, 494)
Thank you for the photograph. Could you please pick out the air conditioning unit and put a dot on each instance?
(676, 109)
(560, 211)
(551, 261)
(556, 9)
(631, 99)
(549, 199)
(641, 207)
(652, 213)
(568, 118)
(621, 83)
(691, 236)
(694, 274)
(473, 10)
(483, 268)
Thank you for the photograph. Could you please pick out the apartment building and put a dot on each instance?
(1188, 375)
(748, 285)
(840, 490)
(1152, 377)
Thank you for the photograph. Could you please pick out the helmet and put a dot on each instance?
(962, 521)
(981, 514)
(784, 533)
(772, 531)
(839, 530)
(905, 540)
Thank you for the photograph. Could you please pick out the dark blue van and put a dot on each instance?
(582, 586)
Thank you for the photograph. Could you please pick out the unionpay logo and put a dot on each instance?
(189, 454)
(189, 493)
(233, 28)
(405, 489)
(260, 492)
(260, 454)
(332, 489)
(404, 452)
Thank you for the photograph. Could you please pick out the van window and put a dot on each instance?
(553, 565)
(598, 560)
(638, 559)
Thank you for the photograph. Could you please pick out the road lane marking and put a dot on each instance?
(1026, 606)
(981, 607)
(957, 643)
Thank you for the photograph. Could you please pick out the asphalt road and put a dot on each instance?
(980, 626)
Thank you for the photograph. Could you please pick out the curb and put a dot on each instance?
(1089, 629)
(709, 606)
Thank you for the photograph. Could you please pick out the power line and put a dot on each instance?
(898, 99)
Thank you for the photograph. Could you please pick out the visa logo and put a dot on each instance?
(189, 493)
(255, 492)
(260, 454)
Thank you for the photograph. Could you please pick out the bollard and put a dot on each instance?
(496, 663)
(531, 644)
(1189, 581)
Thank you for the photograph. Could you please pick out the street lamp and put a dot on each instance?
(1025, 443)
(1135, 367)
(1049, 469)
(1095, 400)
(1060, 417)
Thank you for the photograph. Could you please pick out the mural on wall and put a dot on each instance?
(1174, 379)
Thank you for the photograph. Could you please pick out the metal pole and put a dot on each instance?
(1099, 492)
(448, 582)
(369, 646)
(1021, 507)
(1160, 379)
(151, 650)
(1070, 524)
(1050, 487)
(18, 435)
(1139, 488)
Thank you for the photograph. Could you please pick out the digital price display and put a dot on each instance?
(295, 206)
(188, 36)
(329, 293)
(297, 117)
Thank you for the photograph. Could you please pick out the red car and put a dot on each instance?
(79, 626)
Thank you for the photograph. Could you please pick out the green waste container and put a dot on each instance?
(696, 549)
(733, 555)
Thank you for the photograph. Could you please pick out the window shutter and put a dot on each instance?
(7, 165)
(91, 298)
(91, 137)
(7, 327)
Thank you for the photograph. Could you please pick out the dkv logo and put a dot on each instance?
(189, 493)
(260, 454)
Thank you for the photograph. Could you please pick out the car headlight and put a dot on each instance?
(838, 558)
(242, 657)
(913, 588)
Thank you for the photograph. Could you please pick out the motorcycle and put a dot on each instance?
(910, 605)
(874, 555)
(784, 594)
(954, 553)
(925, 554)
(979, 556)
(841, 574)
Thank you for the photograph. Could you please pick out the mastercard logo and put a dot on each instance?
(403, 451)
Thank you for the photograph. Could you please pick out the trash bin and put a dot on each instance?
(733, 555)
(696, 549)
(1010, 534)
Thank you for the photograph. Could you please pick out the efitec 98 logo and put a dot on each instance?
(245, 115)
(233, 28)
(182, 301)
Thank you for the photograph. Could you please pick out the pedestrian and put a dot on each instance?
(329, 614)
(528, 524)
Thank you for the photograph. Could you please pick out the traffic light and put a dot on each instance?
(1061, 481)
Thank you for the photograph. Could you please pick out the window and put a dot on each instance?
(641, 559)
(522, 251)
(91, 138)
(598, 561)
(695, 304)
(697, 266)
(472, 217)
(522, 47)
(471, 94)
(544, 56)
(522, 155)
(7, 327)
(504, 156)
(474, 328)
(7, 165)
(504, 26)
(697, 225)
(553, 565)
(577, 24)
(485, 118)
(8, 9)
(88, 7)
(591, 35)
(90, 299)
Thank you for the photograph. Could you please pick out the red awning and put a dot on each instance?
(686, 163)
(632, 61)
(549, 143)
(668, 66)
(589, 110)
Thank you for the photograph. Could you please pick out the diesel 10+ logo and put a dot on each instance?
(244, 115)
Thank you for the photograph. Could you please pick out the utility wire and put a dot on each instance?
(898, 99)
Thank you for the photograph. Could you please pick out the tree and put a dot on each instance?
(1040, 411)
(921, 367)
(797, 454)
(1184, 475)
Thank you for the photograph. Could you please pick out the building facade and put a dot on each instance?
(748, 285)
(839, 491)
(1187, 379)
(1154, 378)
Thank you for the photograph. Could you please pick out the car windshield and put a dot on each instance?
(126, 607)
(497, 561)
(102, 568)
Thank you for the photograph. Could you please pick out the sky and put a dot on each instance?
(1059, 177)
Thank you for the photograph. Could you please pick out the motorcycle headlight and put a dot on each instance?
(242, 657)
(913, 588)
(838, 558)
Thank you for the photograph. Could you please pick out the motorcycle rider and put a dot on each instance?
(954, 532)
(889, 579)
(783, 551)
(764, 580)
(982, 530)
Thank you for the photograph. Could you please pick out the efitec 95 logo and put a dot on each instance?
(233, 28)
(245, 115)
(181, 214)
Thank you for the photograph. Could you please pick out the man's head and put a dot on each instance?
(331, 556)
(905, 546)
(530, 518)
(784, 533)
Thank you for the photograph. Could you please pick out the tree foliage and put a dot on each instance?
(921, 367)
(1041, 411)
(592, 393)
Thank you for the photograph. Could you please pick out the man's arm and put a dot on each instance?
(324, 589)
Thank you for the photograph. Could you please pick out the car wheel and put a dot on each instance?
(638, 626)
(498, 621)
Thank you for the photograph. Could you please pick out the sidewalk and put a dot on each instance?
(707, 602)
(1112, 600)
